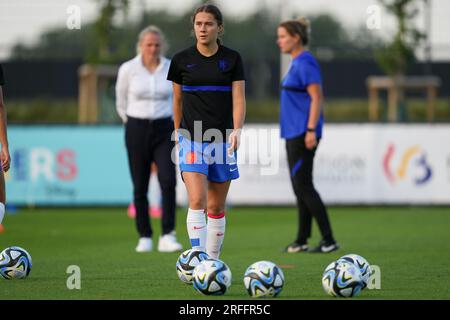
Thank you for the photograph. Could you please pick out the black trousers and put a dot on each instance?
(309, 203)
(149, 141)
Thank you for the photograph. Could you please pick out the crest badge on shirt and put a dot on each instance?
(191, 157)
(223, 65)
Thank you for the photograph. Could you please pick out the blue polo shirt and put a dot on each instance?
(295, 101)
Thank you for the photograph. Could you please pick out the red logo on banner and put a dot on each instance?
(413, 156)
(67, 168)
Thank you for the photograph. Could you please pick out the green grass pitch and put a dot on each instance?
(410, 245)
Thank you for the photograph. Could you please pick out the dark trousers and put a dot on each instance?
(309, 203)
(149, 141)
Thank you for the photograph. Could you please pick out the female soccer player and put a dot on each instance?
(301, 121)
(5, 158)
(209, 100)
(144, 102)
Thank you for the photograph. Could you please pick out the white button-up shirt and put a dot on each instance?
(142, 94)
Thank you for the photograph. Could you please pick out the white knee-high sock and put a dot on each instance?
(196, 225)
(2, 212)
(216, 233)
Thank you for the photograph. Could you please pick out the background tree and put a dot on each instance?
(102, 48)
(395, 57)
(109, 39)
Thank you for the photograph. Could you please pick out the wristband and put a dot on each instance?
(311, 130)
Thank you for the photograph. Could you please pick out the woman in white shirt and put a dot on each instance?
(144, 103)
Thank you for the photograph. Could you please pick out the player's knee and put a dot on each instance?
(307, 192)
(167, 184)
(305, 185)
(139, 195)
(215, 209)
(197, 203)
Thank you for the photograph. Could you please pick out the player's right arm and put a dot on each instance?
(315, 92)
(122, 92)
(177, 107)
(4, 153)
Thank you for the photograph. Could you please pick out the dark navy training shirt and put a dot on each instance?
(206, 83)
(295, 101)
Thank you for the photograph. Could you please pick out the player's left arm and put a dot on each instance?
(315, 92)
(239, 107)
(4, 153)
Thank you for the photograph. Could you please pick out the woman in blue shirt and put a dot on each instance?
(301, 121)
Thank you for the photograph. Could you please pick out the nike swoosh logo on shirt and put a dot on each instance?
(231, 170)
(198, 228)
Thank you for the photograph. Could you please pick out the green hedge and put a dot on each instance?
(46, 110)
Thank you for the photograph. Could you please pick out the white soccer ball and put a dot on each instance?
(15, 263)
(186, 263)
(264, 279)
(362, 264)
(342, 279)
(212, 277)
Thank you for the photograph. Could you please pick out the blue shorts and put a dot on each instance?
(208, 158)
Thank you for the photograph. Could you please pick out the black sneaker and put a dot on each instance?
(295, 247)
(325, 247)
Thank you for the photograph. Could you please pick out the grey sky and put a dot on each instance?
(26, 19)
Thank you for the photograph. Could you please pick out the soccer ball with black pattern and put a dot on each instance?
(186, 263)
(212, 277)
(15, 263)
(342, 279)
(362, 264)
(263, 279)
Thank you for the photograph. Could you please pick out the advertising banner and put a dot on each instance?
(354, 164)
